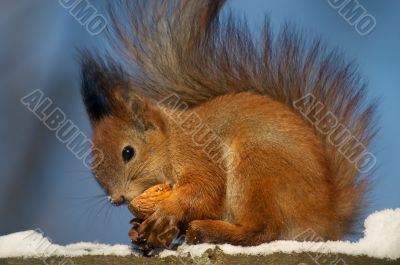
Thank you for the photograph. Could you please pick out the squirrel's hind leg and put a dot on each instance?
(251, 216)
(220, 232)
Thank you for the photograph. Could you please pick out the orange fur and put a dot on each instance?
(247, 166)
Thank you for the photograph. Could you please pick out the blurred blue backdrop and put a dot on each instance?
(42, 185)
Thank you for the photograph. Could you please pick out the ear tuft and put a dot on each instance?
(98, 79)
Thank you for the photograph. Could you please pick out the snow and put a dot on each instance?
(381, 240)
(33, 244)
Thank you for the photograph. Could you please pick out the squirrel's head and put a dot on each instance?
(128, 129)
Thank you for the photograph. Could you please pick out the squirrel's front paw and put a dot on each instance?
(134, 232)
(158, 231)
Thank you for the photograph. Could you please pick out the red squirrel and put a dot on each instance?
(246, 128)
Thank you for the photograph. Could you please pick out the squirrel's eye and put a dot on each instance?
(128, 153)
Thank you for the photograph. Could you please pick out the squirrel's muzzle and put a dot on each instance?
(117, 200)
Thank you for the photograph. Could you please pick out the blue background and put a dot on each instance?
(42, 185)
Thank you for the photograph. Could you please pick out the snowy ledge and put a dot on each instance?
(381, 240)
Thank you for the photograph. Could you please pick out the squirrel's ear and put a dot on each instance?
(144, 112)
(99, 79)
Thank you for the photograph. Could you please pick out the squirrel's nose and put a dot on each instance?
(117, 200)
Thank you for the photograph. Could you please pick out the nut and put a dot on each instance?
(144, 205)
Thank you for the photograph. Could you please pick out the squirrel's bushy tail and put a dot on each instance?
(189, 48)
